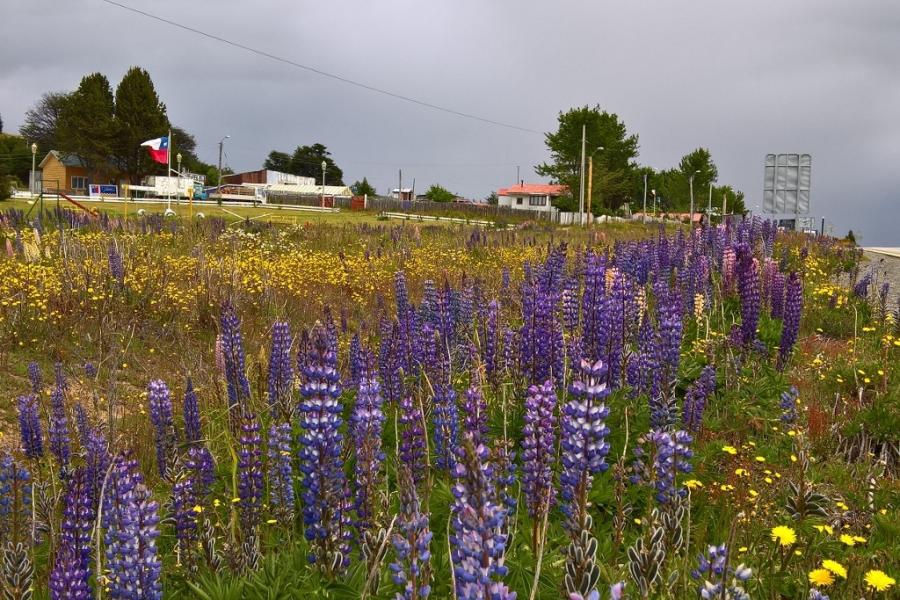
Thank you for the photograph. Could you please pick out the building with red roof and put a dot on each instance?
(536, 197)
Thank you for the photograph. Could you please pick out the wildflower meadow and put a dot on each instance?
(214, 410)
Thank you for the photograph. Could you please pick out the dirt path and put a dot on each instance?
(887, 268)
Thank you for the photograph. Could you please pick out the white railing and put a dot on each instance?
(418, 217)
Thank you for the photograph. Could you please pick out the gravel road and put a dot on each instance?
(887, 268)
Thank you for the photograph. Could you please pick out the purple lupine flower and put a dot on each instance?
(670, 315)
(617, 591)
(776, 295)
(489, 355)
(696, 397)
(249, 476)
(81, 424)
(97, 460)
(861, 288)
(477, 544)
(324, 487)
(193, 430)
(116, 264)
(68, 578)
(748, 288)
(645, 374)
(391, 362)
(815, 594)
(793, 307)
(412, 439)
(184, 500)
(281, 473)
(35, 377)
(475, 414)
(233, 357)
(78, 518)
(354, 364)
(510, 351)
(883, 300)
(446, 426)
(613, 332)
(713, 572)
(570, 304)
(131, 525)
(281, 370)
(788, 405)
(15, 491)
(671, 454)
(90, 371)
(412, 544)
(199, 464)
(405, 324)
(30, 426)
(366, 425)
(583, 439)
(539, 450)
(160, 404)
(58, 432)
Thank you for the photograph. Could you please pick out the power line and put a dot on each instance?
(340, 78)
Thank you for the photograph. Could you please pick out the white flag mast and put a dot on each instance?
(169, 173)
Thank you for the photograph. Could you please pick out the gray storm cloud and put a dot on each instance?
(743, 79)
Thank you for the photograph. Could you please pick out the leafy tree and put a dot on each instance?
(492, 199)
(850, 237)
(307, 162)
(139, 116)
(86, 122)
(437, 193)
(42, 121)
(612, 165)
(362, 188)
(15, 157)
(1, 123)
(278, 161)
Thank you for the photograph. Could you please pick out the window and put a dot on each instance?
(519, 200)
(537, 200)
(79, 183)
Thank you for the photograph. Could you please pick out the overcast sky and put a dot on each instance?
(741, 78)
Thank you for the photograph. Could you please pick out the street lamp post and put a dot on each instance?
(653, 191)
(691, 180)
(178, 180)
(324, 165)
(33, 174)
(581, 175)
(221, 144)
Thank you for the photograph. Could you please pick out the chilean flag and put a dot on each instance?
(159, 149)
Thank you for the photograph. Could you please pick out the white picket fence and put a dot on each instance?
(418, 217)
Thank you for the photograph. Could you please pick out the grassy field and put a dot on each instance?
(349, 408)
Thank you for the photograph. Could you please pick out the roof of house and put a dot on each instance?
(534, 189)
(66, 158)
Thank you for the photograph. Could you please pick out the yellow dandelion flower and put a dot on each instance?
(820, 577)
(729, 450)
(197, 509)
(784, 535)
(760, 459)
(835, 567)
(271, 521)
(824, 529)
(693, 484)
(847, 540)
(879, 580)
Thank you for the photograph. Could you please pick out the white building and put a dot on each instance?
(536, 197)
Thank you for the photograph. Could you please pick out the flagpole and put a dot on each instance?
(169, 172)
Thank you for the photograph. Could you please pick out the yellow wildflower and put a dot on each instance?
(730, 450)
(835, 567)
(784, 535)
(879, 580)
(820, 577)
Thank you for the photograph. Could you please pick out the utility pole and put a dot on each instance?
(724, 205)
(324, 164)
(517, 175)
(644, 214)
(581, 186)
(221, 144)
(590, 197)
(709, 206)
(400, 185)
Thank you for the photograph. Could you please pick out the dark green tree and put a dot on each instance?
(492, 199)
(139, 116)
(307, 162)
(278, 161)
(15, 157)
(1, 123)
(850, 237)
(612, 165)
(42, 121)
(437, 193)
(87, 124)
(362, 188)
